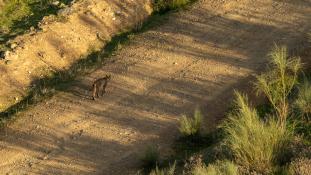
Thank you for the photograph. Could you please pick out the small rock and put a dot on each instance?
(7, 53)
(45, 157)
(114, 18)
(16, 98)
(118, 12)
(175, 63)
(13, 45)
(32, 29)
(56, 3)
(65, 11)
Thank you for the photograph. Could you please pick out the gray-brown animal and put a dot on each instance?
(99, 86)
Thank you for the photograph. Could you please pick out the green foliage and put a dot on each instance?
(178, 3)
(254, 144)
(303, 101)
(219, 168)
(168, 171)
(279, 80)
(161, 6)
(17, 16)
(150, 158)
(191, 126)
(14, 10)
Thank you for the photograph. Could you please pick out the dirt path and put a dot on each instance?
(197, 58)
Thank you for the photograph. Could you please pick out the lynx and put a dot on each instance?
(99, 86)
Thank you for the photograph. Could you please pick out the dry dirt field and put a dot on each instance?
(195, 59)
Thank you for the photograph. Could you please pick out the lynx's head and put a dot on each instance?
(108, 77)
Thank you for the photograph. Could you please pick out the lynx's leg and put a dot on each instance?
(104, 87)
(94, 91)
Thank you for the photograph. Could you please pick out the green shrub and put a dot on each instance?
(150, 158)
(16, 16)
(174, 4)
(168, 171)
(303, 101)
(219, 168)
(279, 80)
(254, 144)
(14, 10)
(165, 5)
(191, 126)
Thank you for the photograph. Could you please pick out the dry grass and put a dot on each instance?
(168, 171)
(218, 168)
(255, 144)
(191, 126)
(303, 101)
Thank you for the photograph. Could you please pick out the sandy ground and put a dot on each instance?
(197, 58)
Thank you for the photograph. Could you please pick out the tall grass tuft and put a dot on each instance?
(219, 168)
(254, 144)
(151, 157)
(168, 171)
(191, 126)
(279, 80)
(303, 101)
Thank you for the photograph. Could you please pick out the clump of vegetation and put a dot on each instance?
(279, 81)
(303, 101)
(162, 6)
(14, 11)
(190, 127)
(300, 166)
(219, 168)
(255, 144)
(151, 157)
(17, 16)
(166, 171)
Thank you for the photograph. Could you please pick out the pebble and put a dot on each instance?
(7, 53)
(13, 45)
(118, 12)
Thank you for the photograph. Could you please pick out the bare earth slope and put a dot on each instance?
(197, 58)
(62, 41)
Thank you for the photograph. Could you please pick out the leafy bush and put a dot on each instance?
(279, 80)
(169, 171)
(254, 144)
(17, 16)
(13, 11)
(191, 126)
(219, 168)
(150, 158)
